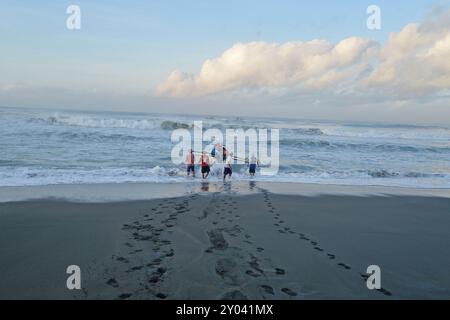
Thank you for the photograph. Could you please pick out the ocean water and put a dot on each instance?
(44, 147)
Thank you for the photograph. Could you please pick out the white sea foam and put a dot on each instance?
(409, 133)
(33, 177)
(98, 122)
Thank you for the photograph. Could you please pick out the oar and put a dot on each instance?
(234, 157)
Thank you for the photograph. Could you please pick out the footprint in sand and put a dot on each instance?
(226, 268)
(122, 259)
(382, 290)
(385, 292)
(289, 292)
(157, 275)
(254, 264)
(268, 289)
(343, 265)
(234, 295)
(155, 262)
(217, 240)
(170, 253)
(252, 273)
(113, 283)
(124, 296)
(161, 295)
(280, 271)
(136, 268)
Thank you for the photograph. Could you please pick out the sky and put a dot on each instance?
(303, 59)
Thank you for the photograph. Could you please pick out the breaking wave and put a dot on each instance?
(28, 176)
(93, 122)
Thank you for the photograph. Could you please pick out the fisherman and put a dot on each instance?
(190, 163)
(227, 170)
(215, 150)
(252, 165)
(204, 163)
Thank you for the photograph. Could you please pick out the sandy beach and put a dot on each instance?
(228, 244)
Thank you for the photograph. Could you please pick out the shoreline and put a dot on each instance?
(120, 192)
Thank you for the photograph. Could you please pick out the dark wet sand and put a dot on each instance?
(227, 246)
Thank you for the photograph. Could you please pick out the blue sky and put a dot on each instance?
(162, 35)
(132, 46)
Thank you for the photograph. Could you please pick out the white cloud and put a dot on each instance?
(313, 65)
(413, 62)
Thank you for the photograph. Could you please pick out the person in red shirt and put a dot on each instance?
(204, 162)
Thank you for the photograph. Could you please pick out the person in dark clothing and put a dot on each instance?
(204, 163)
(190, 163)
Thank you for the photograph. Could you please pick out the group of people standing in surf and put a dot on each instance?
(206, 160)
